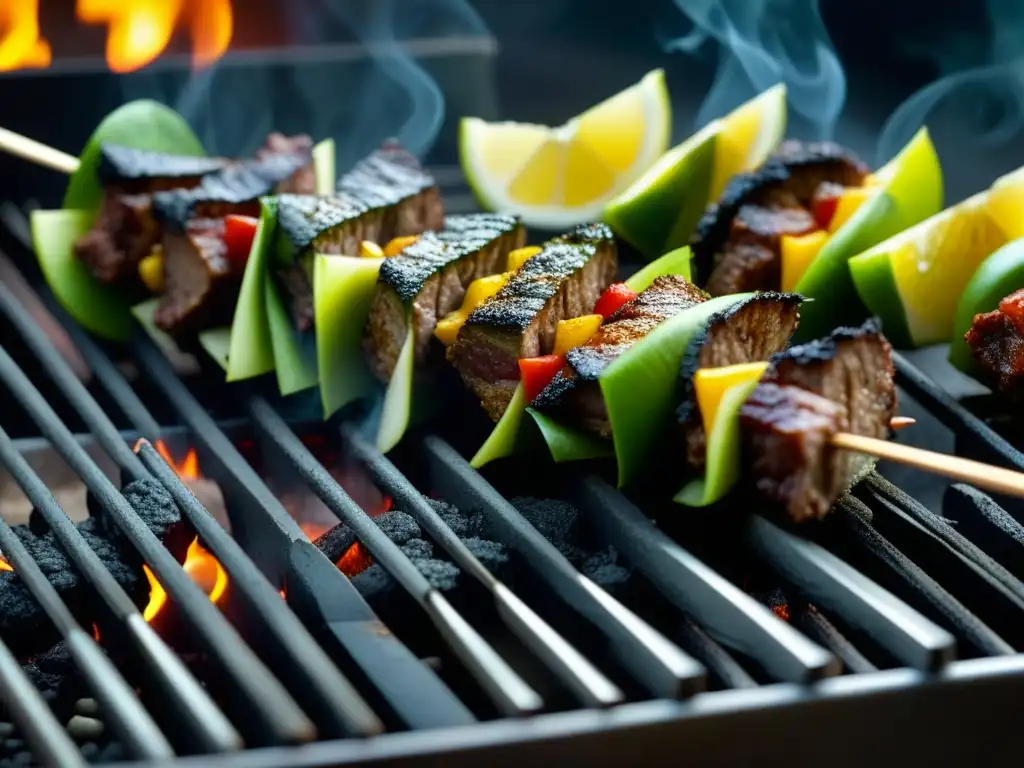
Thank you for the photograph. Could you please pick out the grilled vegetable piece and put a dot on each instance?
(137, 170)
(737, 242)
(996, 340)
(846, 383)
(386, 195)
(748, 332)
(201, 282)
(564, 280)
(574, 391)
(429, 279)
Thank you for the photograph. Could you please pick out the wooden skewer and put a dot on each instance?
(974, 472)
(901, 422)
(33, 151)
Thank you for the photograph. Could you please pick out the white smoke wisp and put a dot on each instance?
(984, 89)
(345, 72)
(762, 43)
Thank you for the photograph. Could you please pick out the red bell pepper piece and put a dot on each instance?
(614, 296)
(825, 201)
(239, 232)
(537, 372)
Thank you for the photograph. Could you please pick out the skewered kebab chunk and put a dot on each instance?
(738, 242)
(430, 277)
(125, 230)
(996, 340)
(563, 281)
(810, 393)
(201, 281)
(386, 195)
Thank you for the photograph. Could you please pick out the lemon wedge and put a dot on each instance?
(557, 177)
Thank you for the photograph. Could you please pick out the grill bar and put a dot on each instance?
(582, 677)
(984, 521)
(273, 714)
(827, 580)
(718, 660)
(321, 590)
(47, 737)
(856, 515)
(506, 688)
(731, 615)
(825, 632)
(662, 667)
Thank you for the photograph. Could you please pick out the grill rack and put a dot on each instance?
(806, 705)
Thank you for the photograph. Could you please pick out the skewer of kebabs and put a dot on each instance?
(543, 302)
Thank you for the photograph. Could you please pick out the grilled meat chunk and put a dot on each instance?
(788, 450)
(575, 390)
(201, 284)
(747, 332)
(137, 170)
(431, 277)
(562, 281)
(996, 340)
(737, 242)
(386, 195)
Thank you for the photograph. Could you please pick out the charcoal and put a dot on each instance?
(492, 554)
(373, 582)
(556, 520)
(603, 568)
(452, 517)
(441, 574)
(399, 526)
(418, 548)
(335, 542)
(152, 502)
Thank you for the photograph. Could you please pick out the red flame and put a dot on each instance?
(355, 560)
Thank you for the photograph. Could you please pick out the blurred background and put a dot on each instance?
(866, 73)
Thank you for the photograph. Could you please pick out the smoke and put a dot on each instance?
(983, 89)
(351, 70)
(761, 43)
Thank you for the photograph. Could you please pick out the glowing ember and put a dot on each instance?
(314, 530)
(204, 569)
(355, 560)
(187, 468)
(140, 30)
(781, 610)
(21, 46)
(4, 565)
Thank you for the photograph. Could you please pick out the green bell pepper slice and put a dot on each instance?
(251, 352)
(397, 407)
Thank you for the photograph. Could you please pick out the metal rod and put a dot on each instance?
(830, 582)
(732, 616)
(321, 684)
(70, 385)
(658, 663)
(278, 716)
(718, 660)
(506, 688)
(49, 740)
(582, 677)
(825, 632)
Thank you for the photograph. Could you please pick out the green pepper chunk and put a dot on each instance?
(251, 352)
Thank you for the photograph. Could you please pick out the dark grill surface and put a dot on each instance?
(522, 614)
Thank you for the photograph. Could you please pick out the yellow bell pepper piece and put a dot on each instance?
(575, 332)
(851, 199)
(798, 251)
(711, 384)
(399, 244)
(448, 327)
(520, 256)
(370, 250)
(151, 271)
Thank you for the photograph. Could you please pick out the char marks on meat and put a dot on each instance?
(996, 340)
(431, 277)
(124, 166)
(737, 242)
(748, 332)
(563, 281)
(386, 195)
(575, 391)
(786, 433)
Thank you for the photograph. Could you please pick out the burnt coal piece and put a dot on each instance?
(24, 627)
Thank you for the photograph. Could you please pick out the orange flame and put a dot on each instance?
(205, 570)
(140, 30)
(355, 560)
(187, 468)
(21, 45)
(4, 565)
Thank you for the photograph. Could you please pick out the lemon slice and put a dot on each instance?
(557, 177)
(659, 211)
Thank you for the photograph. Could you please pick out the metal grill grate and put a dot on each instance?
(881, 600)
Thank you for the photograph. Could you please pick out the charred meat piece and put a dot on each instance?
(575, 390)
(386, 195)
(201, 284)
(431, 277)
(125, 229)
(852, 370)
(562, 281)
(736, 244)
(996, 340)
(747, 332)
